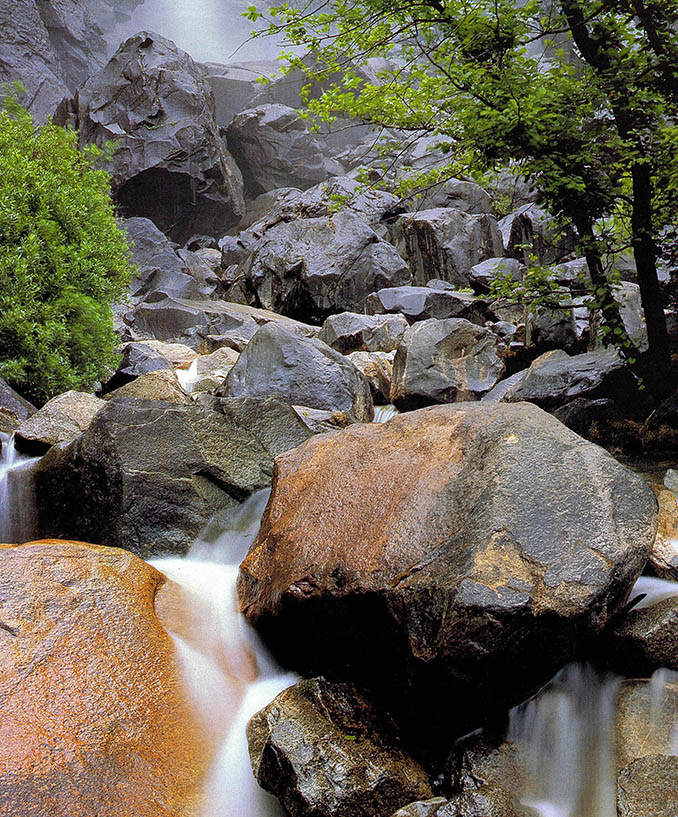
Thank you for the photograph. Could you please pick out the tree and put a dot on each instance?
(581, 97)
(63, 259)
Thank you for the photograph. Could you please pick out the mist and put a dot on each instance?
(209, 30)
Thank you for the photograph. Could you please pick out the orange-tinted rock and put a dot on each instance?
(664, 556)
(93, 718)
(452, 557)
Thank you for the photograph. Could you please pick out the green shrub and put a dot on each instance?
(63, 259)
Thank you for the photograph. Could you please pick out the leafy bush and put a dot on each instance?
(63, 259)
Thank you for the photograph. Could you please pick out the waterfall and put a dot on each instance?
(382, 414)
(18, 521)
(226, 670)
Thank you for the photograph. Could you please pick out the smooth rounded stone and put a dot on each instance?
(377, 367)
(556, 378)
(13, 403)
(179, 355)
(482, 275)
(58, 421)
(211, 370)
(324, 751)
(466, 196)
(445, 243)
(645, 639)
(274, 147)
(162, 385)
(137, 359)
(311, 268)
(287, 203)
(94, 717)
(301, 371)
(491, 541)
(445, 362)
(648, 787)
(159, 269)
(422, 303)
(530, 233)
(351, 332)
(147, 475)
(664, 557)
(171, 164)
(50, 48)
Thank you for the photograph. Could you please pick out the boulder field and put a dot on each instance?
(450, 559)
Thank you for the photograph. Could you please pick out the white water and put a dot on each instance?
(227, 672)
(566, 733)
(382, 414)
(17, 496)
(187, 377)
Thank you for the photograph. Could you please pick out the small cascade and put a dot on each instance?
(567, 733)
(227, 671)
(18, 518)
(382, 414)
(187, 377)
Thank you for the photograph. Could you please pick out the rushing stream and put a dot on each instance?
(566, 734)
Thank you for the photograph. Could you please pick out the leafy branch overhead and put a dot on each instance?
(581, 97)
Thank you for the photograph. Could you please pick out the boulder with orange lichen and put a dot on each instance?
(449, 559)
(93, 717)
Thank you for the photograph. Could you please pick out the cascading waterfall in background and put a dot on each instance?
(228, 673)
(17, 496)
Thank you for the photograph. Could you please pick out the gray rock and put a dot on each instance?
(422, 808)
(147, 475)
(482, 275)
(481, 802)
(310, 268)
(573, 274)
(580, 414)
(492, 540)
(160, 385)
(171, 164)
(324, 751)
(445, 361)
(446, 243)
(236, 85)
(12, 403)
(627, 296)
(302, 371)
(137, 359)
(59, 421)
(351, 332)
(50, 47)
(671, 480)
(530, 231)
(462, 195)
(319, 421)
(274, 147)
(644, 640)
(547, 328)
(422, 303)
(555, 378)
(212, 369)
(647, 787)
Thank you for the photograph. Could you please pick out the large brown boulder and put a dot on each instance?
(450, 558)
(93, 718)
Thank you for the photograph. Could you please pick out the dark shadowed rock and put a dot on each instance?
(483, 543)
(146, 475)
(445, 243)
(302, 371)
(645, 639)
(324, 751)
(274, 147)
(137, 359)
(532, 231)
(445, 362)
(580, 414)
(422, 303)
(351, 332)
(58, 421)
(50, 47)
(311, 268)
(377, 367)
(171, 165)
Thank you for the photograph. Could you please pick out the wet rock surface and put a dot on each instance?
(171, 164)
(301, 371)
(324, 751)
(479, 555)
(446, 361)
(147, 475)
(94, 715)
